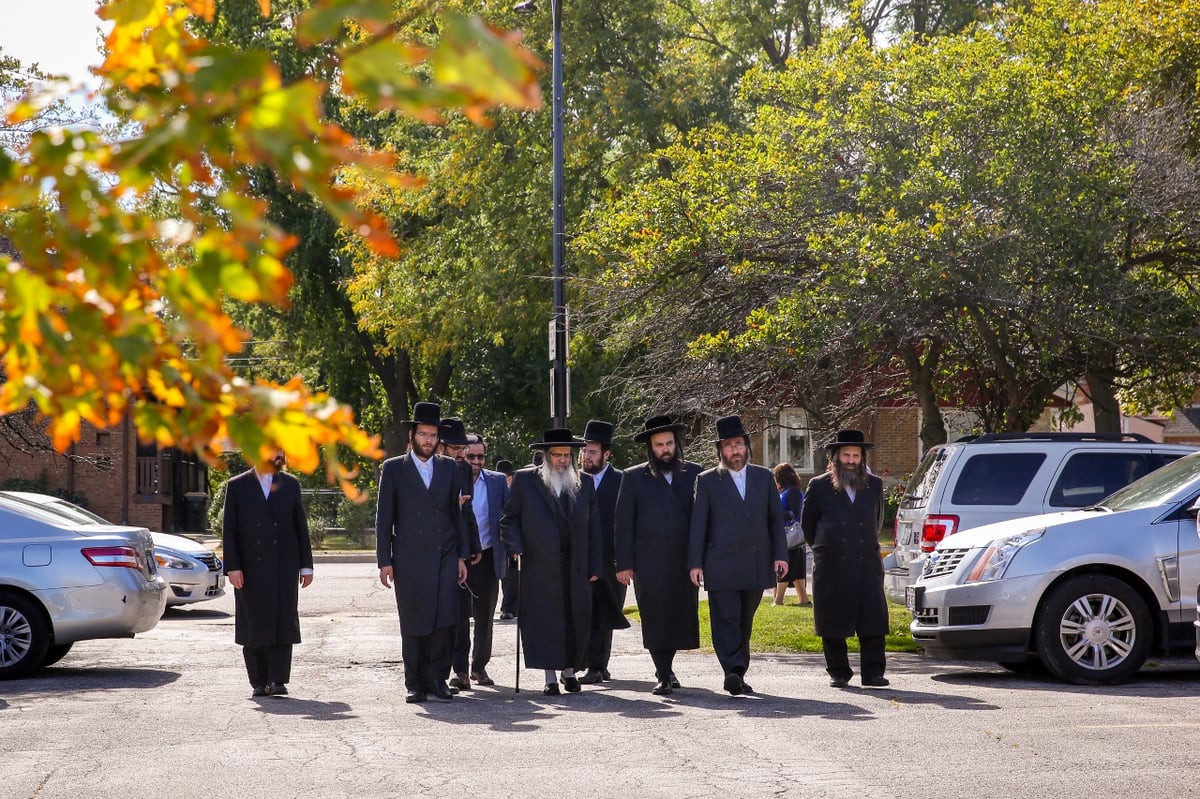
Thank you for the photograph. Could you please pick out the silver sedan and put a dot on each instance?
(63, 581)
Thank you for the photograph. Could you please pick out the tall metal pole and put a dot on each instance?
(559, 366)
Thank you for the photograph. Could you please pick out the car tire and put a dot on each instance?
(1094, 630)
(55, 653)
(24, 636)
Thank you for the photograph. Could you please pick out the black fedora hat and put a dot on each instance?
(426, 413)
(503, 466)
(848, 438)
(598, 431)
(659, 424)
(730, 427)
(558, 437)
(452, 431)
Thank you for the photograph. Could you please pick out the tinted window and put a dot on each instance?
(1088, 477)
(920, 485)
(996, 478)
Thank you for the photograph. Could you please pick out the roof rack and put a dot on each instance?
(991, 438)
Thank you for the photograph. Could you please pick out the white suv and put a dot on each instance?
(998, 476)
(1089, 593)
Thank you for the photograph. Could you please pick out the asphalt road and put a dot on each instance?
(169, 714)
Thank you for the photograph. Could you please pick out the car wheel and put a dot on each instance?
(24, 636)
(55, 653)
(1094, 630)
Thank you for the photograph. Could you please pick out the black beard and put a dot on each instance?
(660, 466)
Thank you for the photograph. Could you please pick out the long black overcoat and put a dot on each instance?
(421, 533)
(531, 527)
(608, 594)
(267, 540)
(847, 585)
(651, 533)
(737, 541)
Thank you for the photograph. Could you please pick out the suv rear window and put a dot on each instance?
(996, 478)
(921, 484)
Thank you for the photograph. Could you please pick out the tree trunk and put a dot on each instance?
(1105, 408)
(439, 387)
(920, 377)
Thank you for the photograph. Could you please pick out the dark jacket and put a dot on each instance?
(421, 533)
(267, 540)
(497, 495)
(737, 541)
(651, 533)
(609, 595)
(557, 561)
(847, 587)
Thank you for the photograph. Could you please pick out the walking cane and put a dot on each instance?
(520, 611)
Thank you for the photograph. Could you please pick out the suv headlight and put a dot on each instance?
(995, 559)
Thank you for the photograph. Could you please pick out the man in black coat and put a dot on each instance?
(551, 521)
(653, 517)
(421, 547)
(594, 461)
(842, 514)
(267, 556)
(737, 546)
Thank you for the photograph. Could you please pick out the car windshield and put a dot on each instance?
(1170, 483)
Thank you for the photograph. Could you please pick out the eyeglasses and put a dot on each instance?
(475, 457)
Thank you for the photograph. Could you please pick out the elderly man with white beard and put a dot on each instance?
(551, 522)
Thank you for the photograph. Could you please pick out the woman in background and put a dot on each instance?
(788, 483)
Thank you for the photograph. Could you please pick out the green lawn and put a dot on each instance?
(789, 628)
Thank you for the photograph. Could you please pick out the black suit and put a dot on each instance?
(608, 592)
(736, 542)
(422, 534)
(267, 540)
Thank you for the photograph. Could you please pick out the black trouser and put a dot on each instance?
(871, 656)
(600, 639)
(664, 663)
(268, 664)
(481, 579)
(512, 587)
(732, 616)
(426, 658)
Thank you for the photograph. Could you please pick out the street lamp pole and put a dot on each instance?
(559, 409)
(559, 375)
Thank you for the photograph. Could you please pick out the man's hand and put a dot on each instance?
(697, 577)
(237, 579)
(386, 576)
(781, 568)
(305, 580)
(625, 576)
(478, 556)
(462, 571)
(593, 578)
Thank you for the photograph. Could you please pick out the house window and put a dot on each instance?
(787, 438)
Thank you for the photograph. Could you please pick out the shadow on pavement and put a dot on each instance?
(1164, 679)
(187, 613)
(310, 709)
(57, 679)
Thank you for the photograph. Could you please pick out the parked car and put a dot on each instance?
(1090, 593)
(62, 581)
(991, 478)
(193, 572)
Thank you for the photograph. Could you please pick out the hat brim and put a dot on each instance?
(577, 442)
(645, 435)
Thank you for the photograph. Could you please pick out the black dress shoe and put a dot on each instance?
(505, 616)
(746, 689)
(551, 689)
(661, 689)
(482, 678)
(605, 675)
(415, 697)
(261, 690)
(460, 681)
(734, 684)
(592, 676)
(572, 685)
(875, 682)
(839, 682)
(277, 689)
(442, 691)
(674, 681)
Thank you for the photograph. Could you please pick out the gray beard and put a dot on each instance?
(849, 478)
(558, 482)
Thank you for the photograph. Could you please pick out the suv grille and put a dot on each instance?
(210, 560)
(944, 561)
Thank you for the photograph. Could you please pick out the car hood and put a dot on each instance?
(985, 535)
(177, 543)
